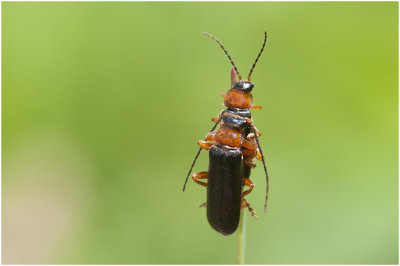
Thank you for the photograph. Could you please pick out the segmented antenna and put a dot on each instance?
(265, 167)
(223, 48)
(258, 56)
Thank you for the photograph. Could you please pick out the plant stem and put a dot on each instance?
(241, 235)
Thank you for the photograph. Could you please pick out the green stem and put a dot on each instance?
(241, 235)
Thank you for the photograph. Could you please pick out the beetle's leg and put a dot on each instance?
(249, 162)
(245, 204)
(249, 156)
(249, 144)
(251, 138)
(252, 147)
(256, 130)
(249, 150)
(205, 144)
(256, 107)
(246, 182)
(210, 136)
(200, 175)
(258, 156)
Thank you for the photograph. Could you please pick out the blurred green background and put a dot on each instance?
(103, 103)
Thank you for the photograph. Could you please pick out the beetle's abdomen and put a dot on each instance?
(224, 186)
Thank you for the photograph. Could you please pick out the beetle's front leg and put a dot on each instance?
(207, 143)
(204, 144)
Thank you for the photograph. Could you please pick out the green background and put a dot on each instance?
(103, 103)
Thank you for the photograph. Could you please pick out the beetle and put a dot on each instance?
(232, 149)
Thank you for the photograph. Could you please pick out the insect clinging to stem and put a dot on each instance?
(233, 147)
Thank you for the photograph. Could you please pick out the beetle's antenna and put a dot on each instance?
(265, 167)
(190, 171)
(223, 48)
(258, 56)
(197, 155)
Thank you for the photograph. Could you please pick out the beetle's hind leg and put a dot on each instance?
(245, 204)
(247, 182)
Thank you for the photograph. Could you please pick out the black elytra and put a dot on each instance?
(224, 187)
